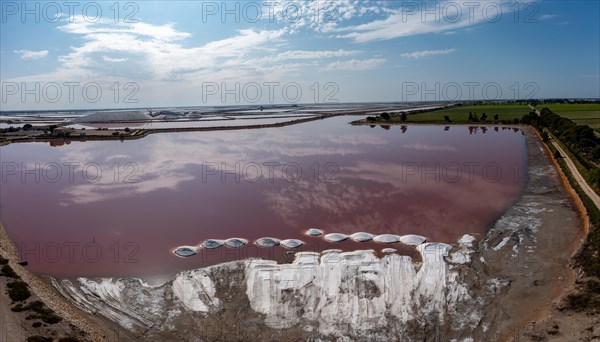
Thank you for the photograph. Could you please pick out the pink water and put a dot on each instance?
(166, 190)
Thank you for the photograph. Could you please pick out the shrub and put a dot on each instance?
(41, 311)
(8, 272)
(18, 308)
(18, 291)
(595, 154)
(38, 339)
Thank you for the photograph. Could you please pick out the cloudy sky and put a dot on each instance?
(57, 55)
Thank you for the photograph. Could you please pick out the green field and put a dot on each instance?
(581, 114)
(460, 114)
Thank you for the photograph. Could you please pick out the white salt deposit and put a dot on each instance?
(267, 242)
(362, 237)
(291, 243)
(195, 290)
(463, 254)
(336, 237)
(501, 243)
(236, 242)
(185, 251)
(329, 291)
(314, 232)
(354, 288)
(387, 238)
(212, 244)
(413, 240)
(123, 116)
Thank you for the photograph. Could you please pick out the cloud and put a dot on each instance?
(299, 55)
(355, 65)
(152, 53)
(29, 55)
(428, 147)
(547, 16)
(417, 18)
(114, 60)
(427, 53)
(324, 16)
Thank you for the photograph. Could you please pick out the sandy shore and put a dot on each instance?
(40, 288)
(553, 323)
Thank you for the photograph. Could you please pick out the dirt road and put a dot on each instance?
(578, 177)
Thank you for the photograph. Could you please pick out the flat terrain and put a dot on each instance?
(581, 114)
(461, 113)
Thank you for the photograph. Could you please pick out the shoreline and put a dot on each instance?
(97, 331)
(141, 133)
(538, 277)
(46, 293)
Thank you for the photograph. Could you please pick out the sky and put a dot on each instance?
(87, 55)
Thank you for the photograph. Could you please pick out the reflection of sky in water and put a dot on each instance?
(179, 197)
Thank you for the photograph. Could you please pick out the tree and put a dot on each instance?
(545, 136)
(447, 118)
(403, 117)
(595, 154)
(470, 116)
(483, 117)
(496, 117)
(385, 116)
(557, 154)
(594, 176)
(27, 127)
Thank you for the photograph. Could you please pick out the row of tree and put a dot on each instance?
(580, 139)
(385, 116)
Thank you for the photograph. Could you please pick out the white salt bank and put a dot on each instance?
(267, 242)
(314, 232)
(235, 242)
(212, 244)
(185, 251)
(362, 237)
(291, 243)
(387, 238)
(336, 237)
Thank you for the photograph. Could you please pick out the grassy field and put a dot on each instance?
(581, 114)
(458, 114)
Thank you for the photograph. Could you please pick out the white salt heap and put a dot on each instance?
(336, 237)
